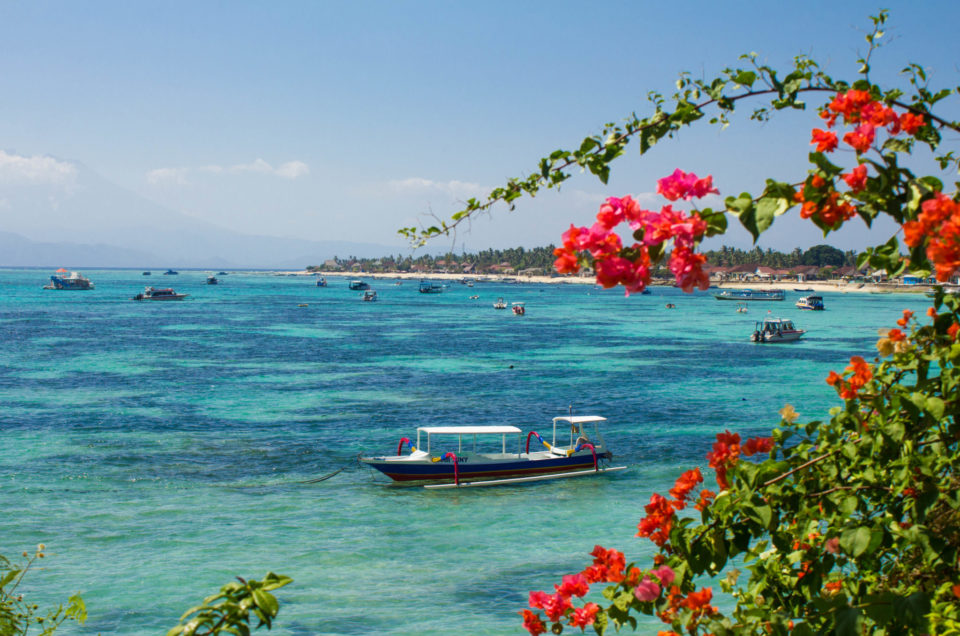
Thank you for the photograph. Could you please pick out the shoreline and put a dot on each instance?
(818, 286)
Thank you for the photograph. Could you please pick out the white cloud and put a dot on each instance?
(454, 188)
(177, 176)
(289, 170)
(19, 170)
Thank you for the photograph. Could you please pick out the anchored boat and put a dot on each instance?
(151, 293)
(481, 457)
(749, 294)
(776, 330)
(68, 280)
(812, 303)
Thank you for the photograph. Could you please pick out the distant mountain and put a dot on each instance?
(91, 222)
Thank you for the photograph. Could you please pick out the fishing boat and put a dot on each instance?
(358, 285)
(62, 279)
(147, 273)
(170, 272)
(212, 280)
(749, 294)
(427, 287)
(803, 289)
(776, 330)
(813, 303)
(500, 304)
(151, 293)
(518, 309)
(321, 281)
(369, 296)
(479, 456)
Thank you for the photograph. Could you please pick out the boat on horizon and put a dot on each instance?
(772, 330)
(151, 293)
(171, 272)
(439, 466)
(64, 279)
(749, 294)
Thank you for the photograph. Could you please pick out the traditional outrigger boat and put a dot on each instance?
(749, 294)
(433, 468)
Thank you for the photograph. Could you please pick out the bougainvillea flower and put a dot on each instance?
(584, 616)
(665, 574)
(684, 485)
(756, 445)
(826, 140)
(533, 623)
(856, 178)
(910, 123)
(573, 585)
(659, 520)
(685, 185)
(861, 138)
(646, 590)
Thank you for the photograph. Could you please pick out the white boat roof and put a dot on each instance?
(580, 419)
(468, 430)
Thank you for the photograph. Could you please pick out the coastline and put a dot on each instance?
(817, 286)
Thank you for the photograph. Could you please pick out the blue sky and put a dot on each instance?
(347, 120)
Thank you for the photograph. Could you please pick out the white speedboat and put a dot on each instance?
(479, 455)
(151, 293)
(812, 303)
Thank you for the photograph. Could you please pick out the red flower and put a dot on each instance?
(607, 566)
(703, 502)
(659, 520)
(856, 178)
(533, 623)
(952, 331)
(911, 123)
(896, 335)
(682, 487)
(726, 451)
(584, 616)
(756, 445)
(907, 315)
(573, 585)
(826, 140)
(861, 138)
(566, 263)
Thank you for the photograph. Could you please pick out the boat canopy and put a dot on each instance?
(581, 419)
(468, 430)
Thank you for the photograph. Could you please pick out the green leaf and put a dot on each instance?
(12, 574)
(855, 541)
(742, 207)
(848, 622)
(767, 209)
(935, 407)
(266, 602)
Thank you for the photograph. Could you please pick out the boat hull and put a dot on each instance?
(474, 468)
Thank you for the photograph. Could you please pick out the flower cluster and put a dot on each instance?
(821, 201)
(849, 389)
(939, 223)
(629, 266)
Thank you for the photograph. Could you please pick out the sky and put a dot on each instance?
(349, 120)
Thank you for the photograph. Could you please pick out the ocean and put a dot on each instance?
(159, 449)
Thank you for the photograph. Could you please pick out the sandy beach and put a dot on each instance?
(817, 286)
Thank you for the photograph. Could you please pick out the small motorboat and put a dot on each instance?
(500, 304)
(474, 297)
(148, 273)
(170, 272)
(456, 465)
(812, 303)
(518, 309)
(212, 280)
(776, 330)
(369, 296)
(151, 293)
(741, 308)
(358, 285)
(427, 287)
(321, 281)
(671, 306)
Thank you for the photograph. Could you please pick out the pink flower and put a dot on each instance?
(832, 545)
(610, 271)
(573, 585)
(665, 574)
(646, 590)
(683, 185)
(687, 268)
(601, 241)
(567, 262)
(611, 213)
(554, 605)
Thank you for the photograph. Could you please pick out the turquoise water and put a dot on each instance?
(156, 448)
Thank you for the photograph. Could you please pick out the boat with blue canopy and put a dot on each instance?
(485, 455)
(749, 294)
